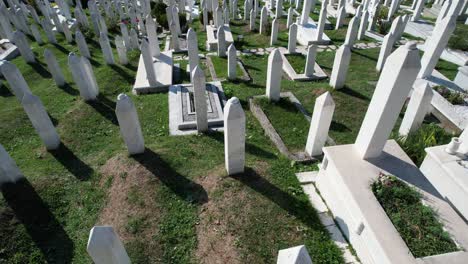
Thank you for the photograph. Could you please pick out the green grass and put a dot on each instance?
(297, 61)
(287, 121)
(417, 223)
(459, 40)
(221, 67)
(47, 217)
(427, 135)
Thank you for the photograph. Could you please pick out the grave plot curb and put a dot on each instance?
(271, 132)
(245, 77)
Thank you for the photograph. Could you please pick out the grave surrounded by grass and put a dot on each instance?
(297, 61)
(417, 223)
(221, 67)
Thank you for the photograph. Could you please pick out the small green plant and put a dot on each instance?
(383, 25)
(453, 97)
(417, 223)
(427, 135)
(459, 39)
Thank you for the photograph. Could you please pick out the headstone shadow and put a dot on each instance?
(69, 90)
(61, 48)
(72, 163)
(353, 93)
(5, 92)
(179, 184)
(301, 209)
(105, 107)
(129, 78)
(41, 70)
(252, 149)
(40, 223)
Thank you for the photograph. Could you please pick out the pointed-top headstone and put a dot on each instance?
(232, 62)
(9, 171)
(129, 124)
(320, 124)
(234, 136)
(199, 94)
(274, 74)
(105, 247)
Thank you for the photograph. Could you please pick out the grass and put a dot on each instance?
(458, 40)
(47, 217)
(221, 67)
(297, 61)
(287, 121)
(427, 136)
(417, 223)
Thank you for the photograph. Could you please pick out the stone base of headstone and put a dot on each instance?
(8, 50)
(163, 66)
(462, 78)
(182, 115)
(72, 23)
(454, 56)
(375, 35)
(344, 183)
(319, 74)
(421, 28)
(212, 41)
(447, 173)
(245, 75)
(307, 34)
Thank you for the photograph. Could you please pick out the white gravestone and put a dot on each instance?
(461, 79)
(66, 32)
(292, 39)
(234, 136)
(129, 124)
(82, 45)
(274, 74)
(385, 50)
(121, 50)
(290, 17)
(352, 32)
(322, 20)
(105, 247)
(15, 79)
(221, 36)
(54, 67)
(294, 255)
(396, 79)
(134, 43)
(363, 25)
(106, 49)
(340, 18)
(9, 171)
(41, 121)
(19, 39)
(125, 36)
(340, 66)
(83, 76)
(148, 62)
(310, 60)
(152, 36)
(263, 19)
(232, 62)
(199, 94)
(192, 48)
(320, 124)
(252, 20)
(48, 30)
(36, 34)
(274, 31)
(418, 107)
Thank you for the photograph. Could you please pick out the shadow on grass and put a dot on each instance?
(40, 69)
(42, 226)
(339, 127)
(5, 92)
(61, 48)
(94, 62)
(252, 149)
(129, 78)
(351, 92)
(301, 209)
(69, 90)
(355, 51)
(105, 107)
(180, 185)
(72, 163)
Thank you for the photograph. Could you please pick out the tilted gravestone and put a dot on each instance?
(234, 136)
(129, 124)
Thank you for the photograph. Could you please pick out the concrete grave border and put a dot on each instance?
(245, 76)
(271, 132)
(319, 74)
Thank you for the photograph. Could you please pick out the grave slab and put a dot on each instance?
(182, 115)
(307, 34)
(163, 68)
(212, 41)
(344, 182)
(8, 50)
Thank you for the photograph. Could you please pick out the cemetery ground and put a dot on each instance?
(174, 203)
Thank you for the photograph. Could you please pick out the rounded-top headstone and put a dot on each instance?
(124, 103)
(191, 34)
(276, 55)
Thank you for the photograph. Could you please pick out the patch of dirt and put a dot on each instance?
(131, 199)
(318, 92)
(216, 240)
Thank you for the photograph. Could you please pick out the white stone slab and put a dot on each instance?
(306, 177)
(212, 41)
(307, 34)
(314, 197)
(163, 68)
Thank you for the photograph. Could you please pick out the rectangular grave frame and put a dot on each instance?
(319, 74)
(306, 34)
(163, 66)
(177, 95)
(211, 38)
(344, 181)
(245, 75)
(271, 132)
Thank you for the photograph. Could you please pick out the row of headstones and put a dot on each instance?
(418, 107)
(104, 246)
